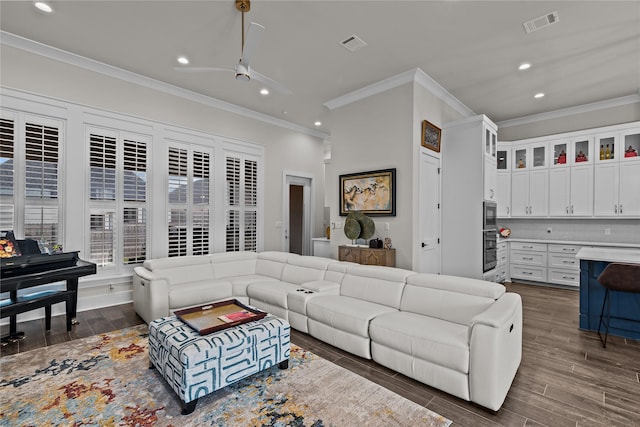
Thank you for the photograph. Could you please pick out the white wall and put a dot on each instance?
(568, 123)
(285, 149)
(371, 134)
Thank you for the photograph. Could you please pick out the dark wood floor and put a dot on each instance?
(566, 378)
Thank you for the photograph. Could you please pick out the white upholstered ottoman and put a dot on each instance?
(195, 365)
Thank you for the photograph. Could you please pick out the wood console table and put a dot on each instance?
(367, 256)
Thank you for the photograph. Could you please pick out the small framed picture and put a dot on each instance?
(431, 136)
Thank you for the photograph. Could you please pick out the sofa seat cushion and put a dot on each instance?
(428, 338)
(271, 292)
(240, 283)
(198, 293)
(345, 313)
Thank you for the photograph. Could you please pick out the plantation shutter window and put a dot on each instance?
(41, 149)
(117, 198)
(189, 187)
(102, 161)
(134, 235)
(177, 232)
(135, 171)
(241, 203)
(102, 229)
(6, 158)
(177, 175)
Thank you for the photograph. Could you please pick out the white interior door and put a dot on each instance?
(430, 252)
(296, 214)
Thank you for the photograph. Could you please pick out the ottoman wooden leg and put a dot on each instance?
(188, 408)
(284, 364)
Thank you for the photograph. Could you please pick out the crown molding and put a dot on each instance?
(570, 111)
(415, 75)
(18, 42)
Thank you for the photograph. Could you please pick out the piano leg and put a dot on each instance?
(13, 334)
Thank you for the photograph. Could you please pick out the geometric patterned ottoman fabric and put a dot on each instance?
(195, 365)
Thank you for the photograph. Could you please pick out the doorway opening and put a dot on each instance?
(296, 214)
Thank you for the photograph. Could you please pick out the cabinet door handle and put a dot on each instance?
(527, 247)
(572, 209)
(567, 209)
(620, 208)
(568, 277)
(527, 258)
(568, 249)
(527, 272)
(507, 210)
(568, 262)
(615, 209)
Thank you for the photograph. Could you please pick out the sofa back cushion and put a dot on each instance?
(186, 274)
(451, 298)
(271, 263)
(382, 285)
(231, 264)
(304, 269)
(173, 262)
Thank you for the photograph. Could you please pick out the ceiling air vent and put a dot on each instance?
(353, 43)
(541, 22)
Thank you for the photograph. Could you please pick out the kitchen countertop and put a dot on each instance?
(572, 242)
(610, 255)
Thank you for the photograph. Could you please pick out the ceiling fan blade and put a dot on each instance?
(201, 69)
(254, 37)
(270, 82)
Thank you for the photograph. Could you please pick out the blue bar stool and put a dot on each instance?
(616, 277)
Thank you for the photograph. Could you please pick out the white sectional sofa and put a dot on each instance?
(460, 335)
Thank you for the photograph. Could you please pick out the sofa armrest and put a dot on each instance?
(495, 346)
(150, 294)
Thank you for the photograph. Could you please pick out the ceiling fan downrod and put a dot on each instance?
(243, 6)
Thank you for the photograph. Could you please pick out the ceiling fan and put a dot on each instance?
(243, 70)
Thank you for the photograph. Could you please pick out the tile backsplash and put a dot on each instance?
(575, 229)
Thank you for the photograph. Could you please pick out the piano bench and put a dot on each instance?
(46, 299)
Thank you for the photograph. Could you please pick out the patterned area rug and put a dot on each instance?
(104, 380)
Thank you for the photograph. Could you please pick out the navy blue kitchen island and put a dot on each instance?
(625, 307)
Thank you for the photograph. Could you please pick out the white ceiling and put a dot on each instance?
(471, 48)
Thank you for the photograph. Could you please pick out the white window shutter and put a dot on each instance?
(7, 147)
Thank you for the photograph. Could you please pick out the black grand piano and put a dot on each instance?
(33, 269)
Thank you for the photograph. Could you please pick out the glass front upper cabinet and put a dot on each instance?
(560, 153)
(630, 151)
(490, 142)
(502, 160)
(530, 156)
(606, 147)
(582, 151)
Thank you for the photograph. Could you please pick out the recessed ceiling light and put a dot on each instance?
(264, 91)
(538, 95)
(183, 60)
(43, 6)
(524, 66)
(318, 123)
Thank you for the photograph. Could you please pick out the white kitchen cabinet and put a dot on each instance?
(562, 266)
(616, 177)
(570, 182)
(468, 179)
(503, 194)
(502, 265)
(590, 173)
(490, 178)
(530, 180)
(503, 180)
(529, 193)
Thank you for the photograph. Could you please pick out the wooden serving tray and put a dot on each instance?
(215, 317)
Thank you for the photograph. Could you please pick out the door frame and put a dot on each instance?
(305, 180)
